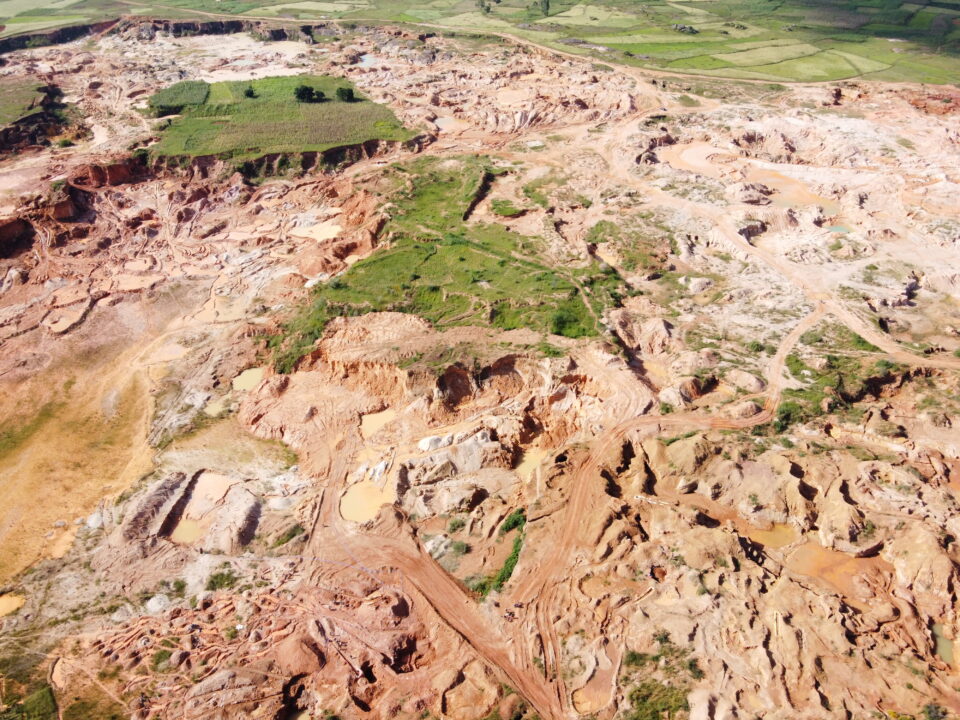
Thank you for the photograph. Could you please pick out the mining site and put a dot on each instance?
(408, 367)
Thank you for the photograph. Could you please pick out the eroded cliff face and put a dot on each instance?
(738, 499)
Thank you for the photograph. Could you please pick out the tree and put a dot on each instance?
(940, 26)
(250, 92)
(305, 94)
(345, 94)
(545, 7)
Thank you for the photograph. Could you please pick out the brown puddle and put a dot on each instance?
(532, 457)
(835, 568)
(363, 500)
(944, 646)
(790, 192)
(776, 537)
(372, 423)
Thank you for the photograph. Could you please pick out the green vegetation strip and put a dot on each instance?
(452, 273)
(247, 120)
(516, 520)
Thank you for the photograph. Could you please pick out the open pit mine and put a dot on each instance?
(368, 371)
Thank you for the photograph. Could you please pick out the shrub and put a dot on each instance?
(345, 94)
(221, 580)
(635, 659)
(289, 534)
(652, 700)
(305, 94)
(160, 657)
(456, 524)
(515, 520)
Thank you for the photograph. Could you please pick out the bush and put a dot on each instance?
(221, 580)
(160, 657)
(635, 659)
(289, 534)
(653, 700)
(307, 94)
(515, 520)
(345, 94)
(456, 524)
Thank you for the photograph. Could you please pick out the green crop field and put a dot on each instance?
(17, 99)
(220, 119)
(450, 272)
(795, 40)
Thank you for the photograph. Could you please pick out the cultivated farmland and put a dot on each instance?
(245, 120)
(792, 40)
(17, 99)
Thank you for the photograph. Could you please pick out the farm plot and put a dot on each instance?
(768, 55)
(33, 23)
(252, 119)
(311, 9)
(17, 99)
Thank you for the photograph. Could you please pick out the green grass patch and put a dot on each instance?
(841, 378)
(40, 705)
(289, 534)
(228, 121)
(175, 98)
(482, 586)
(18, 98)
(446, 271)
(505, 208)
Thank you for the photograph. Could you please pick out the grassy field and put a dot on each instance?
(793, 40)
(17, 99)
(451, 272)
(220, 119)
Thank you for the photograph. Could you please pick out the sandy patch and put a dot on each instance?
(248, 379)
(363, 500)
(372, 423)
